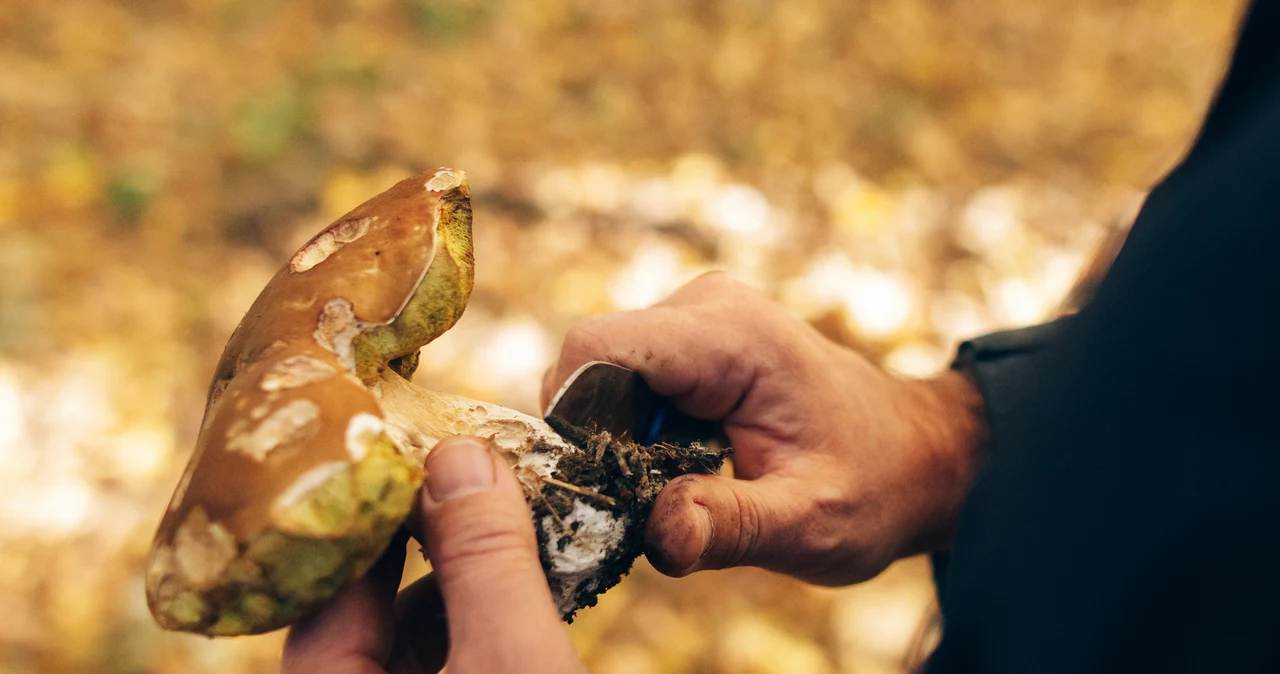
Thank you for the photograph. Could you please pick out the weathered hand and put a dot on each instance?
(486, 577)
(840, 468)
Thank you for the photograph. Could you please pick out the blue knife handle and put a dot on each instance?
(648, 431)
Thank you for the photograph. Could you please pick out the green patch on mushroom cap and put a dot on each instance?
(279, 577)
(437, 302)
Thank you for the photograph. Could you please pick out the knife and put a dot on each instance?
(616, 399)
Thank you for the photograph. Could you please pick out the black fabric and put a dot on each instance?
(997, 363)
(1131, 492)
(1000, 363)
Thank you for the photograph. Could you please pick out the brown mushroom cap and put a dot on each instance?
(361, 272)
(295, 487)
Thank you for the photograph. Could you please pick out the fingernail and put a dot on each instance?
(457, 467)
(706, 532)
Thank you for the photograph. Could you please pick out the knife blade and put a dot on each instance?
(616, 399)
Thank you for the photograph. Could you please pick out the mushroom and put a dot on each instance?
(313, 439)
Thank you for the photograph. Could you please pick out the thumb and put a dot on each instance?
(480, 535)
(702, 522)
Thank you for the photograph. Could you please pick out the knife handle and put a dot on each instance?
(649, 426)
(660, 421)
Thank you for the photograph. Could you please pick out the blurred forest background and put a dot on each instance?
(901, 173)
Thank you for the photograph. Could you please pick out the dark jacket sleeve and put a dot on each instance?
(998, 363)
(1131, 491)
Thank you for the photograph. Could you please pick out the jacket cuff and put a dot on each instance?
(998, 364)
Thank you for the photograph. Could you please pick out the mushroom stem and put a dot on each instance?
(418, 418)
(577, 545)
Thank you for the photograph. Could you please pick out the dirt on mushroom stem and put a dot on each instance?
(620, 476)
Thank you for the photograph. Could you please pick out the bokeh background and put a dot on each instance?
(901, 173)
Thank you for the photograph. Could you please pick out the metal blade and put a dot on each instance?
(613, 398)
(605, 396)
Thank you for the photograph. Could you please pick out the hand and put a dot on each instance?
(839, 468)
(487, 577)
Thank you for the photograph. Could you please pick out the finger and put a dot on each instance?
(480, 534)
(697, 290)
(422, 631)
(550, 386)
(702, 522)
(353, 634)
(681, 353)
(592, 337)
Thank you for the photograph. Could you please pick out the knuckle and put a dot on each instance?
(479, 537)
(479, 547)
(587, 335)
(829, 503)
(710, 288)
(820, 538)
(718, 287)
(827, 522)
(711, 279)
(747, 539)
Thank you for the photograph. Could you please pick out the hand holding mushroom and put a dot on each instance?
(313, 439)
(486, 577)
